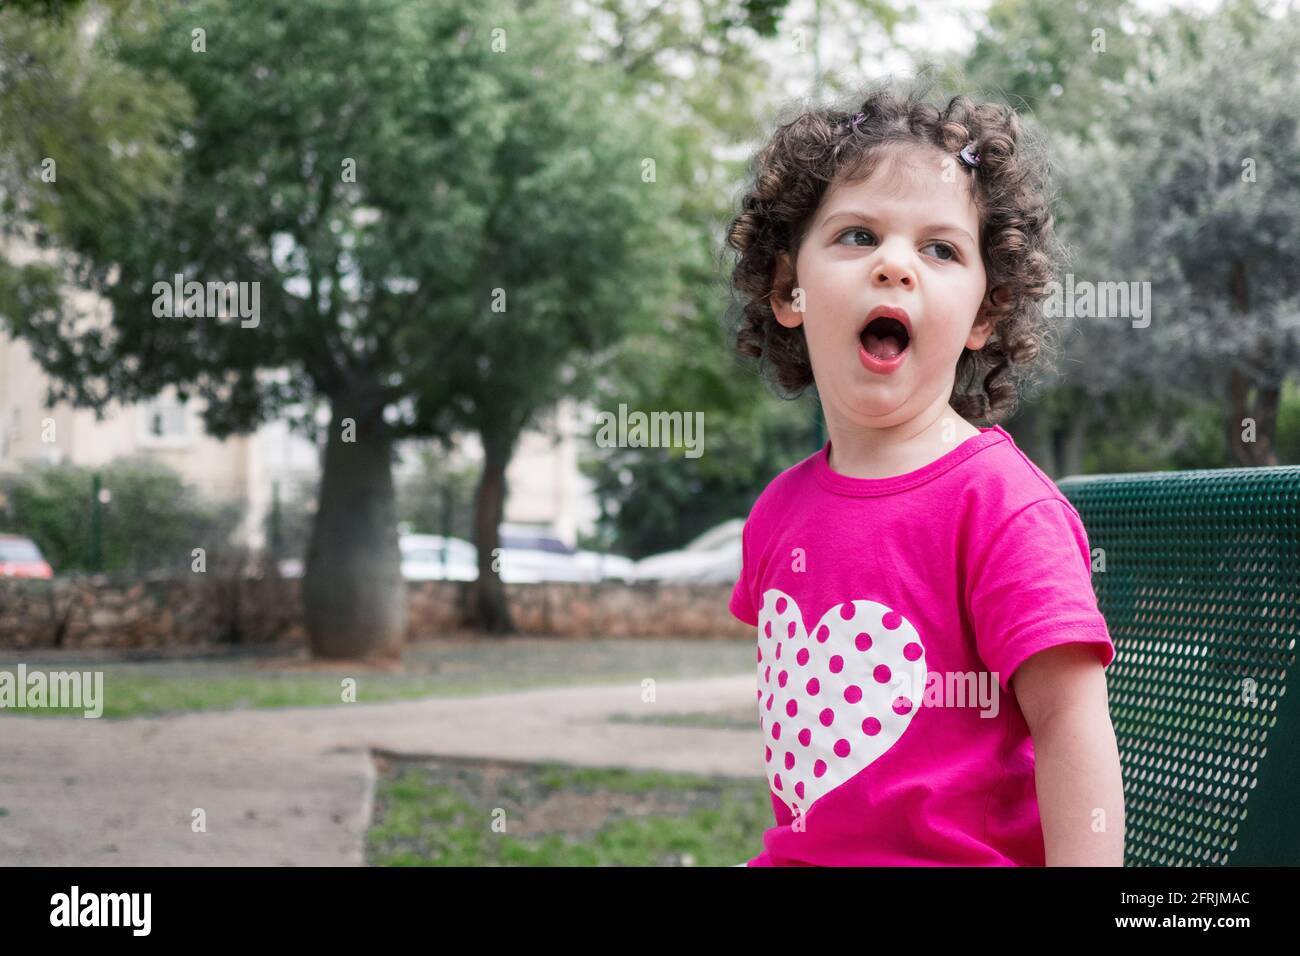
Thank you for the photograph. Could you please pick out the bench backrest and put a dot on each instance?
(1201, 591)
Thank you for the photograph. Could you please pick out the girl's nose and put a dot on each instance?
(887, 275)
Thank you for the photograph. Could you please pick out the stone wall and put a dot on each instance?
(171, 611)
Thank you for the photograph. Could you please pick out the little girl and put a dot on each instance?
(931, 686)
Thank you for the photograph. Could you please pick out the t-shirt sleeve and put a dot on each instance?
(742, 595)
(1032, 589)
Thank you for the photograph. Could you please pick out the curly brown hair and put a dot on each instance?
(1010, 191)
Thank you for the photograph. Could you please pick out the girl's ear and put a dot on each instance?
(784, 293)
(983, 325)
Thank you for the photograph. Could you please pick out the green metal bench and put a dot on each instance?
(1201, 591)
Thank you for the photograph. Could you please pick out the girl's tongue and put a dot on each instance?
(882, 346)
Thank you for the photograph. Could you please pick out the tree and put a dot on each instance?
(1061, 61)
(377, 172)
(1209, 150)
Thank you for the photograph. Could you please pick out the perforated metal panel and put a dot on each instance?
(1201, 592)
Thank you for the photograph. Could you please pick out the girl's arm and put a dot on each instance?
(1062, 693)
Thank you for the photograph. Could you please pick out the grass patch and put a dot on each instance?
(482, 813)
(450, 668)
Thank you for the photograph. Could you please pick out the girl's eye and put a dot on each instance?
(950, 250)
(851, 232)
(952, 253)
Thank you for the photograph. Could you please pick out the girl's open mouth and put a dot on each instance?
(883, 344)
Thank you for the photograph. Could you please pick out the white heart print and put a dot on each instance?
(832, 703)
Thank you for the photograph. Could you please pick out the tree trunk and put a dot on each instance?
(354, 597)
(1267, 399)
(1069, 438)
(1263, 404)
(489, 610)
(1238, 453)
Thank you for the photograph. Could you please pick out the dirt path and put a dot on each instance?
(294, 787)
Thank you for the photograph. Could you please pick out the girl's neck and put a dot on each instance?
(858, 452)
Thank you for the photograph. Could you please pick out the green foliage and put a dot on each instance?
(1144, 429)
(1288, 424)
(152, 521)
(656, 499)
(1060, 61)
(82, 130)
(1151, 143)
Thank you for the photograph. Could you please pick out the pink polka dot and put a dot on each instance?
(791, 708)
(881, 673)
(769, 702)
(805, 736)
(802, 656)
(853, 693)
(863, 641)
(813, 687)
(823, 632)
(789, 760)
(760, 655)
(847, 611)
(781, 678)
(767, 753)
(760, 695)
(769, 628)
(798, 788)
(912, 651)
(892, 620)
(819, 768)
(776, 731)
(871, 726)
(780, 605)
(841, 748)
(826, 716)
(790, 631)
(778, 650)
(837, 664)
(776, 781)
(767, 674)
(902, 705)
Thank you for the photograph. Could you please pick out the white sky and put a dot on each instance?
(942, 25)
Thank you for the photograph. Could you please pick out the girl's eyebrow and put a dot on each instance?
(937, 227)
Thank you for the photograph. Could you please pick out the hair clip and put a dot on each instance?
(969, 156)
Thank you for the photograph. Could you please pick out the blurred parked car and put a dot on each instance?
(20, 558)
(605, 567)
(433, 557)
(712, 558)
(528, 555)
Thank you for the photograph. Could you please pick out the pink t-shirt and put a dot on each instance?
(891, 615)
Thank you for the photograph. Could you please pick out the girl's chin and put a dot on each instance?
(874, 405)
